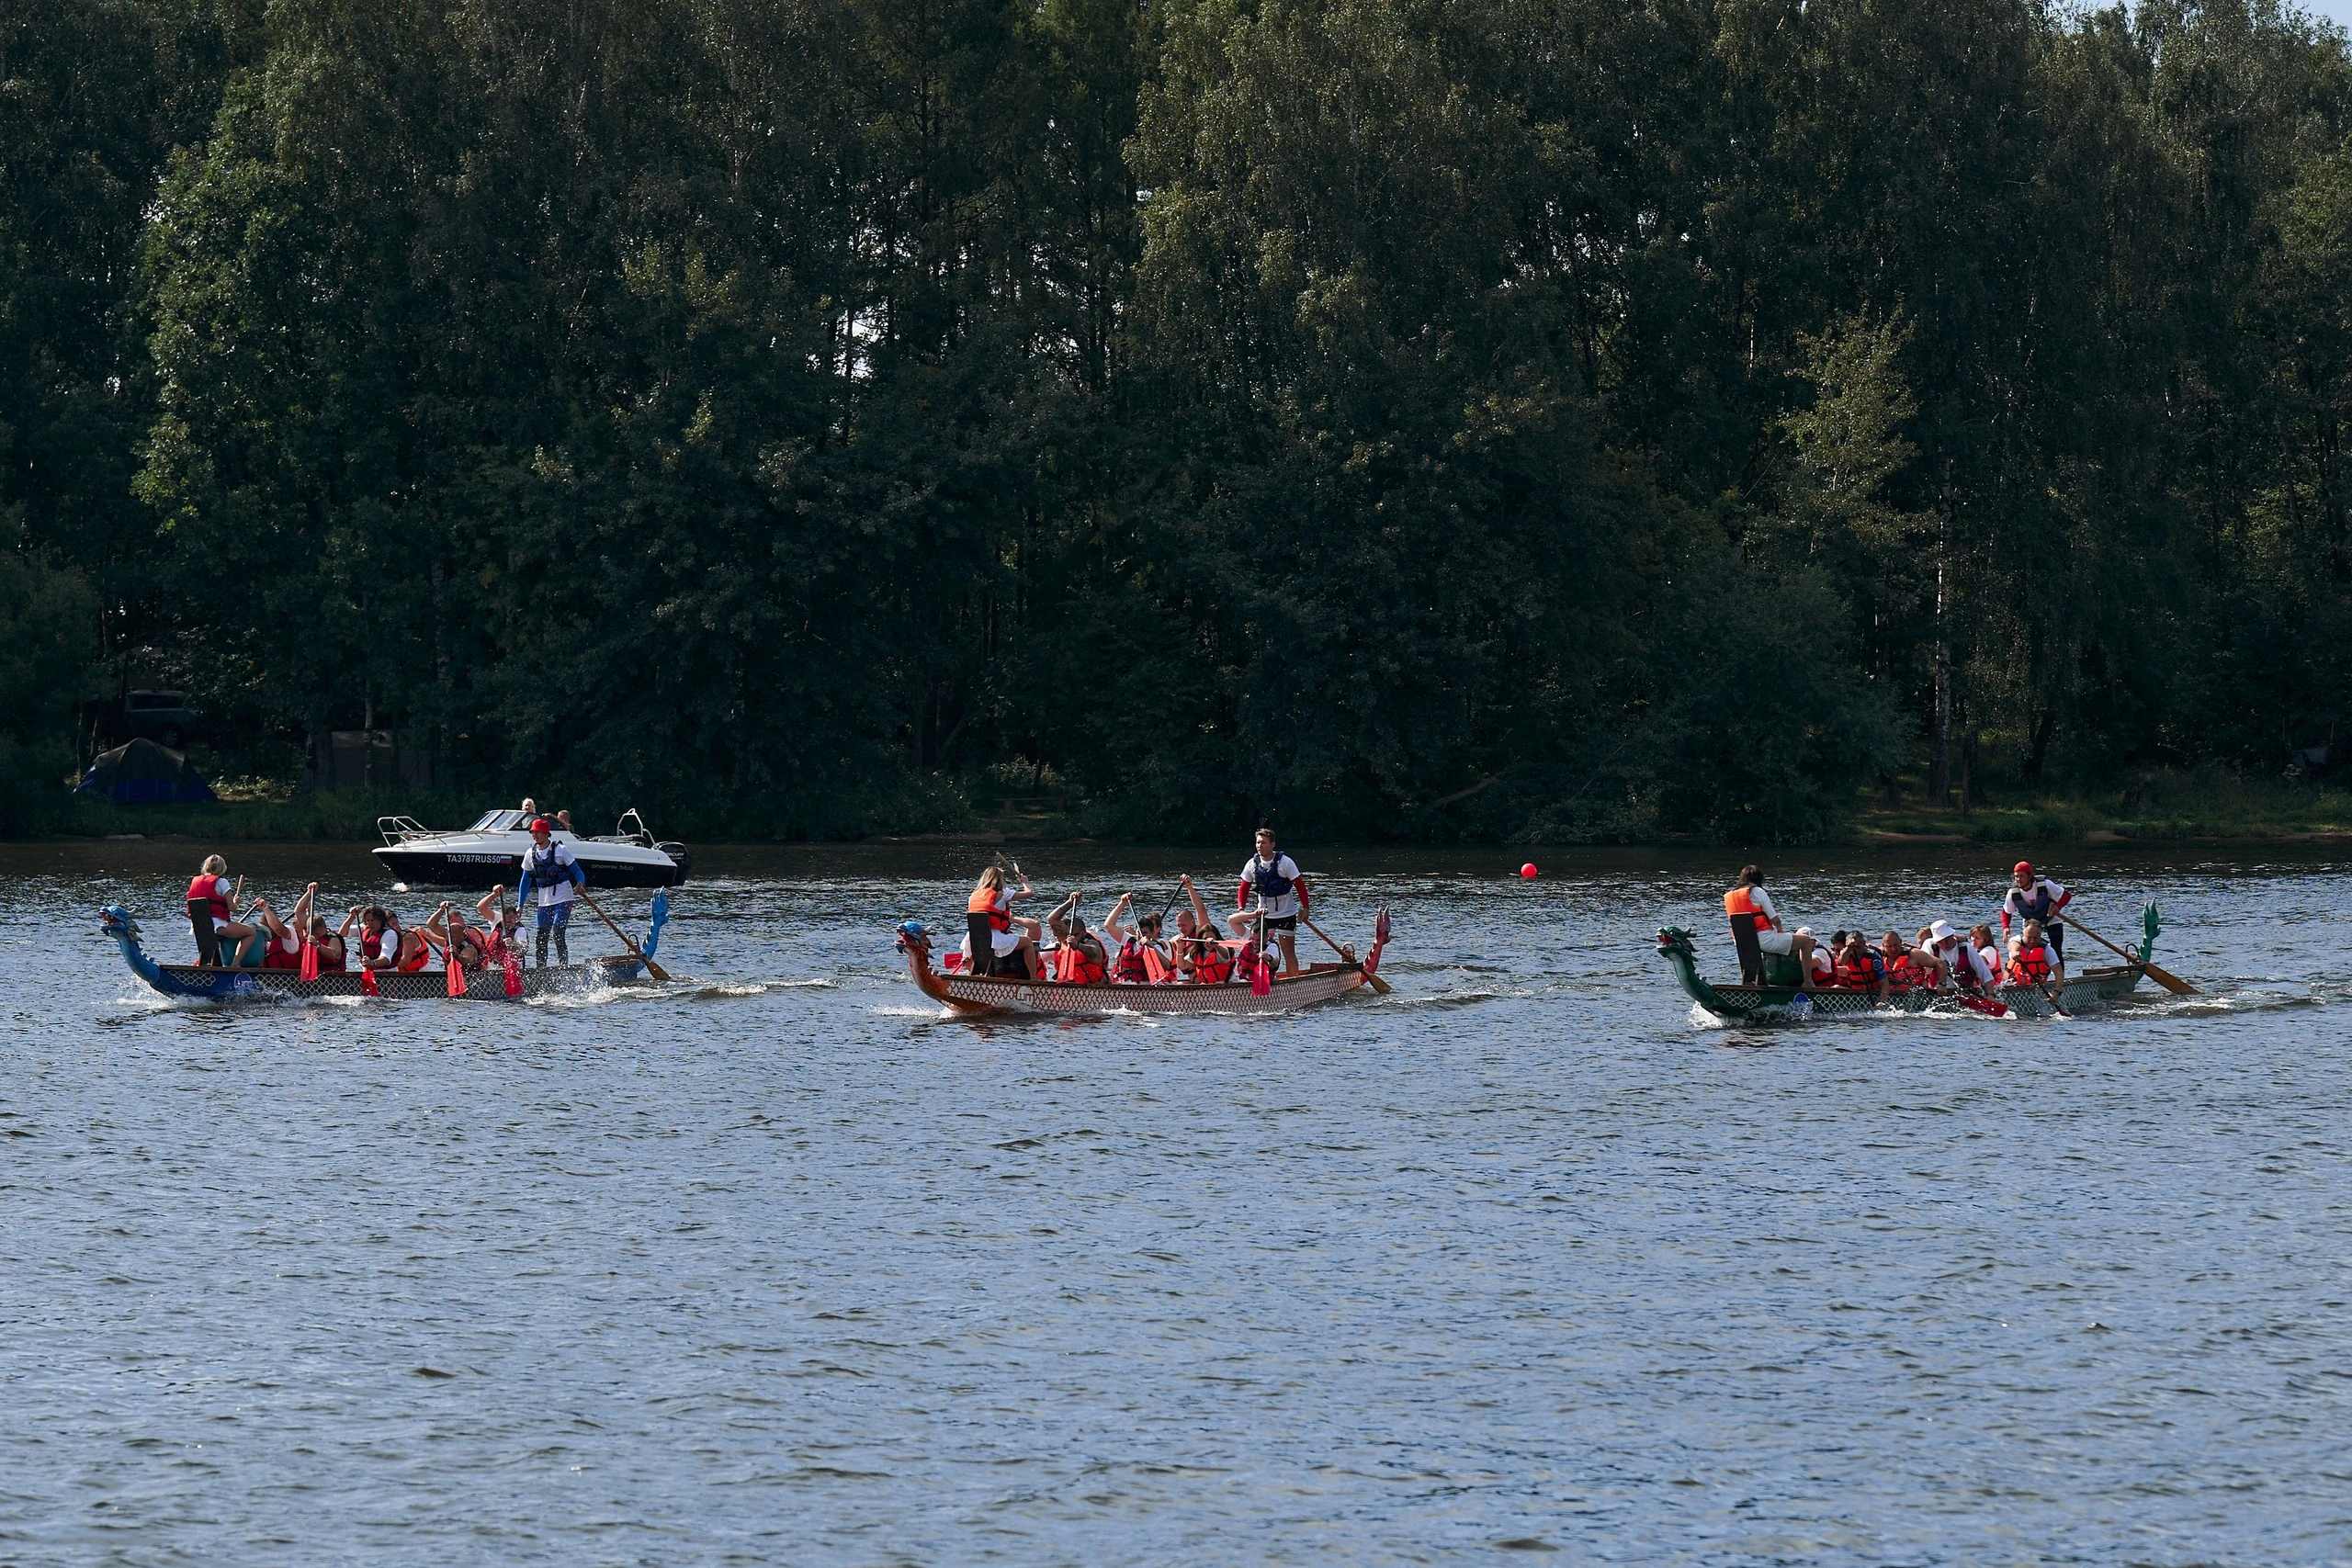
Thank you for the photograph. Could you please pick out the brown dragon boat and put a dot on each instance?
(981, 994)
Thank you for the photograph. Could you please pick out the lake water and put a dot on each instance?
(776, 1265)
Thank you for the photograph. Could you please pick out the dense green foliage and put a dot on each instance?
(1409, 417)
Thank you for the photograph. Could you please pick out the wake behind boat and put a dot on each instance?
(218, 983)
(493, 848)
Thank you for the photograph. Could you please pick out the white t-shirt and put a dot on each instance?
(1763, 900)
(1283, 868)
(558, 890)
(2021, 901)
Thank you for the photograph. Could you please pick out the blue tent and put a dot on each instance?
(143, 773)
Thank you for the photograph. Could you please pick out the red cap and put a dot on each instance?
(541, 825)
(2023, 868)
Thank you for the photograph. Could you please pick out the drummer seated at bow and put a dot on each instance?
(1078, 955)
(211, 915)
(995, 939)
(1141, 959)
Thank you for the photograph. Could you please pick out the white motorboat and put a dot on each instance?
(492, 850)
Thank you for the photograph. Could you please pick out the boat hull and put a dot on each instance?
(978, 993)
(209, 983)
(2090, 989)
(479, 865)
(193, 980)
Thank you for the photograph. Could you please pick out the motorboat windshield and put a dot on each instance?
(497, 822)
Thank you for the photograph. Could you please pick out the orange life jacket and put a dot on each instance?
(1211, 964)
(1901, 973)
(1078, 966)
(416, 963)
(1741, 900)
(2030, 967)
(1861, 976)
(991, 903)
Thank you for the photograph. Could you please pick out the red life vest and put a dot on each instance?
(205, 890)
(2030, 967)
(416, 962)
(994, 905)
(279, 958)
(1901, 973)
(332, 959)
(1130, 969)
(373, 946)
(1211, 966)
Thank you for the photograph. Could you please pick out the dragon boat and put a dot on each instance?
(211, 983)
(977, 995)
(1781, 999)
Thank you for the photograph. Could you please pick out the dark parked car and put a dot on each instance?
(161, 717)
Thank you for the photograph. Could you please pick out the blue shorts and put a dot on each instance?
(553, 915)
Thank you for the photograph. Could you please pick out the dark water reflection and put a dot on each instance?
(777, 1266)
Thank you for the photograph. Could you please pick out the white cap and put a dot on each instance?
(1940, 933)
(1805, 931)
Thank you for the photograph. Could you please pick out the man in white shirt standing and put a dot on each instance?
(1282, 894)
(2032, 897)
(549, 872)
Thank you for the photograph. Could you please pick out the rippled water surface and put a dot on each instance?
(776, 1265)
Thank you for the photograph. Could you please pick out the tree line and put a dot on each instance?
(1416, 418)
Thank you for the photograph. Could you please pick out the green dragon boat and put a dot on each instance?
(1780, 999)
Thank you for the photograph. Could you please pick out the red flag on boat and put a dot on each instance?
(310, 959)
(367, 981)
(457, 972)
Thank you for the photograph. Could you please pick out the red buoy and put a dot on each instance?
(1527, 870)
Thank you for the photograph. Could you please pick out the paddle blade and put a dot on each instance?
(455, 972)
(310, 959)
(1984, 1005)
(1261, 977)
(367, 981)
(514, 961)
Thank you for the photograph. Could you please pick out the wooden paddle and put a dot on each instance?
(1379, 986)
(650, 967)
(2177, 987)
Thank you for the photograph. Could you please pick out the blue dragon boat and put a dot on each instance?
(211, 983)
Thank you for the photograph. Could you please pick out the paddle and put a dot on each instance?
(2177, 987)
(1379, 986)
(1261, 981)
(650, 967)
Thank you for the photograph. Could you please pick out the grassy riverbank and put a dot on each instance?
(2159, 808)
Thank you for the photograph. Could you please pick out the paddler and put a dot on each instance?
(1140, 959)
(211, 912)
(1199, 951)
(2032, 897)
(448, 931)
(1282, 896)
(1081, 957)
(551, 871)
